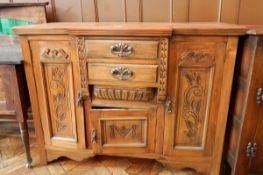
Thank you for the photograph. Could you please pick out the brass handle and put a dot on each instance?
(81, 97)
(93, 136)
(168, 105)
(121, 73)
(260, 96)
(121, 49)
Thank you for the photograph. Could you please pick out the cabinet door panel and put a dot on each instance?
(53, 68)
(194, 87)
(124, 131)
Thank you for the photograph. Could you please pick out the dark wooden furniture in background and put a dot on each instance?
(245, 149)
(158, 91)
(33, 12)
(14, 94)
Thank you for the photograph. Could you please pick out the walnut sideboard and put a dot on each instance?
(158, 91)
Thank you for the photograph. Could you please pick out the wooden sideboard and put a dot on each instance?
(158, 91)
(244, 145)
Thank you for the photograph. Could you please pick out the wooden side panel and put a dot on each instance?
(233, 140)
(204, 10)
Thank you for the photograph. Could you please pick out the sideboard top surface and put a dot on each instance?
(135, 29)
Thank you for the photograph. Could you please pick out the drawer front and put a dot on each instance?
(121, 49)
(123, 94)
(122, 73)
(124, 129)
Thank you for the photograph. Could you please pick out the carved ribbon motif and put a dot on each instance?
(192, 103)
(123, 131)
(197, 57)
(55, 54)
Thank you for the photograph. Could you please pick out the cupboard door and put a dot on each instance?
(255, 163)
(123, 131)
(55, 69)
(253, 123)
(195, 81)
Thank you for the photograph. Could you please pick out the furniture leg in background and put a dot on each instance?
(13, 100)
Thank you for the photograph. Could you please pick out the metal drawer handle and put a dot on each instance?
(93, 136)
(260, 96)
(121, 73)
(121, 49)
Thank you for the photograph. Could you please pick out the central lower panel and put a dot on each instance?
(123, 131)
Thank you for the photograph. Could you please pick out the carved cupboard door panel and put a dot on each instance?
(195, 81)
(123, 131)
(55, 68)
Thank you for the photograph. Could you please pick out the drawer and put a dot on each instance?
(123, 94)
(121, 49)
(122, 72)
(121, 129)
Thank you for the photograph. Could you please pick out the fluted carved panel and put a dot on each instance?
(127, 94)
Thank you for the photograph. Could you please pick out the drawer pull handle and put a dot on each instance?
(93, 136)
(168, 105)
(122, 73)
(260, 96)
(121, 49)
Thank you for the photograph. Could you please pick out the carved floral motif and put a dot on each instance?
(123, 131)
(58, 92)
(192, 104)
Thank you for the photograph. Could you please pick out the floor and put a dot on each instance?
(12, 161)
